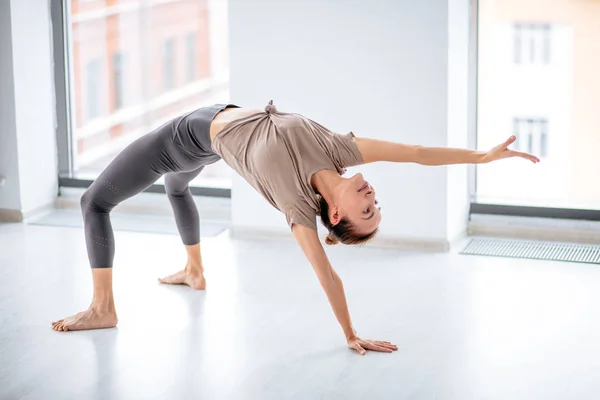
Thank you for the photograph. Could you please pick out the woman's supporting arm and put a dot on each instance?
(330, 281)
(374, 150)
(334, 289)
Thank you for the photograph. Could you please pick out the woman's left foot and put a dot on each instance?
(89, 319)
(193, 279)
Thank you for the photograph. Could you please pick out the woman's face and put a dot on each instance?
(357, 204)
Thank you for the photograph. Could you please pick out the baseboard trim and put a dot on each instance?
(410, 243)
(36, 212)
(379, 242)
(7, 215)
(23, 216)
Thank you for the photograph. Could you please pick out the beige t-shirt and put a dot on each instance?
(278, 153)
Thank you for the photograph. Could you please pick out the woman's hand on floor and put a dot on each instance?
(502, 151)
(362, 345)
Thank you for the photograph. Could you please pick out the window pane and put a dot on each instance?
(537, 77)
(138, 64)
(518, 38)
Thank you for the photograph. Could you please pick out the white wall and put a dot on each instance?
(219, 62)
(9, 193)
(459, 14)
(378, 68)
(28, 136)
(34, 99)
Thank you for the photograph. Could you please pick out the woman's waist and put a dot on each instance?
(228, 116)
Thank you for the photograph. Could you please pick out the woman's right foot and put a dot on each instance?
(192, 278)
(85, 320)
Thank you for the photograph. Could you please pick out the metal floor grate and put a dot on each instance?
(571, 252)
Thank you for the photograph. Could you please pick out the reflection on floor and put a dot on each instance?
(467, 327)
(130, 222)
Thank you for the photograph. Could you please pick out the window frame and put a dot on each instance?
(64, 100)
(118, 79)
(169, 58)
(93, 95)
(190, 57)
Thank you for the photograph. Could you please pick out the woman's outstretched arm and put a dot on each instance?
(334, 289)
(374, 150)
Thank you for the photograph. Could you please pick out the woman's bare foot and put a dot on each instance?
(102, 312)
(89, 319)
(194, 278)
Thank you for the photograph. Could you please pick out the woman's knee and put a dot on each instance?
(86, 199)
(93, 200)
(175, 186)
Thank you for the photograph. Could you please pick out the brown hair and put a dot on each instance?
(343, 231)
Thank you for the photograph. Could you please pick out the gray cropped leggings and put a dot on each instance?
(180, 149)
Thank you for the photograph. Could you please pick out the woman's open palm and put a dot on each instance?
(502, 151)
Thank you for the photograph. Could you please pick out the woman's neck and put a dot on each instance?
(326, 182)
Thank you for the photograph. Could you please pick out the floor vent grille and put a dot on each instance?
(554, 251)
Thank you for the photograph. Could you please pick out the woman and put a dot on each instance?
(294, 162)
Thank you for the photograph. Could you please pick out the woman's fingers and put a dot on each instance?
(381, 349)
(521, 154)
(526, 156)
(371, 345)
(387, 345)
(361, 346)
(509, 141)
(356, 346)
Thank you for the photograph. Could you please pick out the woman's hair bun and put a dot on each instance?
(330, 240)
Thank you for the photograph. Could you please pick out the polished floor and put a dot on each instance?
(467, 327)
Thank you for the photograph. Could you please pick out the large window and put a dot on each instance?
(537, 78)
(135, 64)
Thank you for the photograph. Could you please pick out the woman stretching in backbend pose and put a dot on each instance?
(294, 162)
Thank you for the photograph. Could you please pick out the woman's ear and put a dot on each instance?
(334, 215)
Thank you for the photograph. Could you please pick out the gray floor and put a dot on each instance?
(467, 327)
